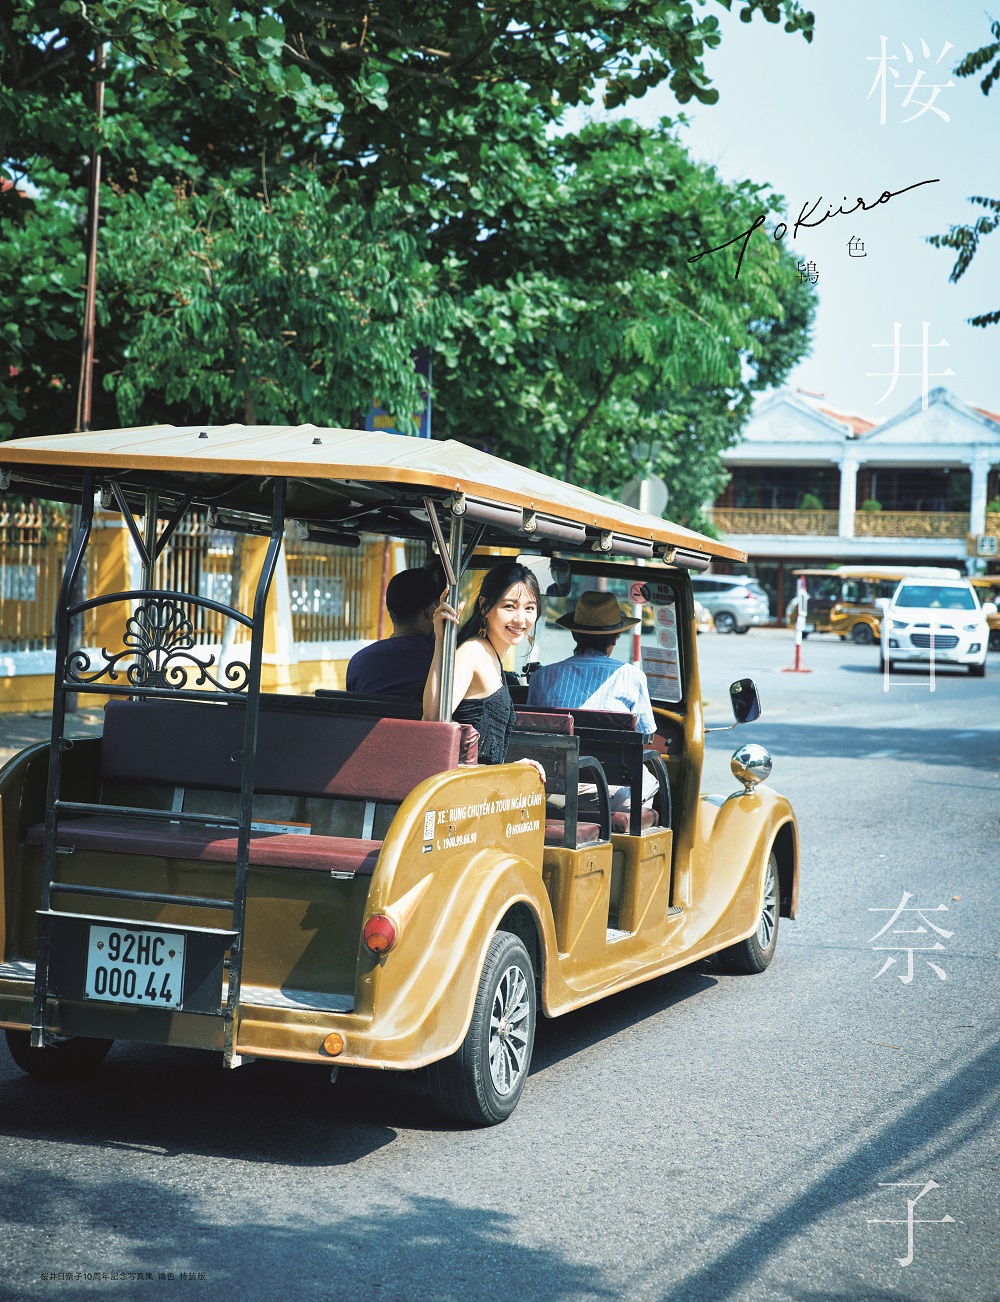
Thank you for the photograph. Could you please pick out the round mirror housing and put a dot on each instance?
(751, 764)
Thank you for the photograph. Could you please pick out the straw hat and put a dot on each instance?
(597, 613)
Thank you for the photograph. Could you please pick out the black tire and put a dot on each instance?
(474, 1085)
(741, 629)
(725, 622)
(755, 953)
(977, 671)
(862, 635)
(66, 1058)
(994, 642)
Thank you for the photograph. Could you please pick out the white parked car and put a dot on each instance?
(939, 619)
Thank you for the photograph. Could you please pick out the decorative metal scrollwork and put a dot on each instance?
(159, 642)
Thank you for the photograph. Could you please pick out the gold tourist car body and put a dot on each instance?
(328, 880)
(987, 588)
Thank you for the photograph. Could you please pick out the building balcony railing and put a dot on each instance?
(826, 524)
(744, 520)
(911, 524)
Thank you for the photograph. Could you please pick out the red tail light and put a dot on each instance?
(379, 934)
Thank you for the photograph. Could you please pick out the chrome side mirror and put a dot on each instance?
(751, 764)
(746, 702)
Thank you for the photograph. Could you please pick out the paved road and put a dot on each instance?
(702, 1137)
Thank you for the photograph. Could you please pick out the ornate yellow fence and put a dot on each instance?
(744, 520)
(911, 524)
(33, 541)
(867, 524)
(334, 591)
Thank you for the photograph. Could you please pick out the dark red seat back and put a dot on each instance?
(188, 744)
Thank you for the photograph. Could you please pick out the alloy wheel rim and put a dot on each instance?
(765, 928)
(509, 1019)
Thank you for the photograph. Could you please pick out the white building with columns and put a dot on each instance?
(812, 486)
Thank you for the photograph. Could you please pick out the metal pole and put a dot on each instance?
(85, 393)
(451, 630)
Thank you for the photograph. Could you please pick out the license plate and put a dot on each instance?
(135, 967)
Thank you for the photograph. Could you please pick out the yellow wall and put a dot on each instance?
(282, 670)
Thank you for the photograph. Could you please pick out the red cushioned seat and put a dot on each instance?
(586, 833)
(620, 820)
(341, 854)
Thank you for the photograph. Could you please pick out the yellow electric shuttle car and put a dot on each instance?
(329, 880)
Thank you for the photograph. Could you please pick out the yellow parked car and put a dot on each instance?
(330, 880)
(987, 588)
(845, 600)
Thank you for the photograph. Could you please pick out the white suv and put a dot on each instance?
(939, 619)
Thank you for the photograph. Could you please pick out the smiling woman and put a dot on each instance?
(503, 615)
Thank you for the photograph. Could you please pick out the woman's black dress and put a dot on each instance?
(493, 718)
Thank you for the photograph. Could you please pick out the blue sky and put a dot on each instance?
(797, 116)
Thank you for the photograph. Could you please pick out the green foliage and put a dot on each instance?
(362, 88)
(41, 293)
(965, 239)
(232, 308)
(299, 195)
(810, 502)
(585, 343)
(870, 504)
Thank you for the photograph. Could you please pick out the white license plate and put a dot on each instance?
(135, 967)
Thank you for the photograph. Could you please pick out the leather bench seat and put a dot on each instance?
(303, 751)
(340, 854)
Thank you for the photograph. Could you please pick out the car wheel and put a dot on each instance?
(65, 1058)
(742, 628)
(755, 953)
(482, 1081)
(724, 622)
(994, 642)
(862, 635)
(977, 671)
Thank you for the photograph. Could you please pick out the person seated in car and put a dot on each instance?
(398, 665)
(592, 679)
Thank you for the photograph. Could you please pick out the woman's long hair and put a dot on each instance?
(501, 578)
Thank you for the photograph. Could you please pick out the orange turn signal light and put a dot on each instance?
(333, 1044)
(379, 934)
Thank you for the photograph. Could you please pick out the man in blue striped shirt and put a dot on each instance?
(591, 679)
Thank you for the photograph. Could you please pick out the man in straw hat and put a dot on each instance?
(591, 678)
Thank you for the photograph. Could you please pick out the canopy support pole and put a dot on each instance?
(451, 560)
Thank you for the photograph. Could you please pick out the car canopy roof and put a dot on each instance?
(343, 480)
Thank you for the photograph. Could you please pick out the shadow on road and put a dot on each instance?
(932, 746)
(177, 1101)
(411, 1246)
(964, 1106)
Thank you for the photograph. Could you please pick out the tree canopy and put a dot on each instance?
(299, 196)
(965, 238)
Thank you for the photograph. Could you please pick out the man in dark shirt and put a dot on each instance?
(398, 665)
